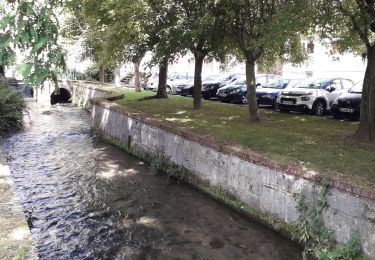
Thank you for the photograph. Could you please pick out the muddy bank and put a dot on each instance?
(15, 238)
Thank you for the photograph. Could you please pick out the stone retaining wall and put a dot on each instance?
(82, 92)
(241, 173)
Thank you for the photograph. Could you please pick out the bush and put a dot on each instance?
(12, 107)
(92, 73)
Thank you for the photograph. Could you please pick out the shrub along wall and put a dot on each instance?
(12, 108)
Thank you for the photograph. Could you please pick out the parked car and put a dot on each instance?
(178, 80)
(348, 104)
(146, 83)
(152, 84)
(268, 94)
(237, 92)
(188, 88)
(210, 88)
(173, 82)
(224, 92)
(313, 95)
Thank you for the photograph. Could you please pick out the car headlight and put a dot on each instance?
(305, 98)
(235, 91)
(336, 102)
(267, 96)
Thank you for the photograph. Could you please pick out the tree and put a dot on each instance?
(263, 32)
(75, 28)
(200, 31)
(350, 25)
(160, 24)
(117, 24)
(35, 36)
(7, 54)
(31, 27)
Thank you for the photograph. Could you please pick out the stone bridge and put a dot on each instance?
(78, 92)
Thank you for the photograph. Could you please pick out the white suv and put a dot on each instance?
(175, 80)
(313, 95)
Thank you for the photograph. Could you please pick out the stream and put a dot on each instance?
(86, 199)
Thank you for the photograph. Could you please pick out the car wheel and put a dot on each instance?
(169, 90)
(244, 99)
(319, 108)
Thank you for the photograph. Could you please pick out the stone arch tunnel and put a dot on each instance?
(62, 95)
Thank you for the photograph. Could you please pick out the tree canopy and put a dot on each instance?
(31, 27)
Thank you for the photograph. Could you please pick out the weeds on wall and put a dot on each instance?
(319, 240)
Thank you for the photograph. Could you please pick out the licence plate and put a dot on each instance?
(287, 102)
(346, 110)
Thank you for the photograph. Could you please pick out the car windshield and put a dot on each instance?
(293, 82)
(226, 77)
(357, 88)
(314, 84)
(279, 84)
(183, 76)
(212, 78)
(240, 81)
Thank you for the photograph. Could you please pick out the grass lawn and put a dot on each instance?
(321, 144)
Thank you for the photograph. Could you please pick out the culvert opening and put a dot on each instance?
(61, 96)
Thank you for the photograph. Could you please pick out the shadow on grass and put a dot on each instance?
(155, 97)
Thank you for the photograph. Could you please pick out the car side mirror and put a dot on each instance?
(330, 88)
(258, 85)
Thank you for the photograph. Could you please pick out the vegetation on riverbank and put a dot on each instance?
(317, 143)
(12, 108)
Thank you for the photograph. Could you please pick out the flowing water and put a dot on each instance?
(87, 200)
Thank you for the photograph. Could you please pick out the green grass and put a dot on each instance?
(321, 144)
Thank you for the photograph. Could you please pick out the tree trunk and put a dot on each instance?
(2, 71)
(199, 58)
(163, 75)
(101, 73)
(251, 90)
(366, 129)
(117, 77)
(137, 77)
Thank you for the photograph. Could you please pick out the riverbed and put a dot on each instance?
(85, 199)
